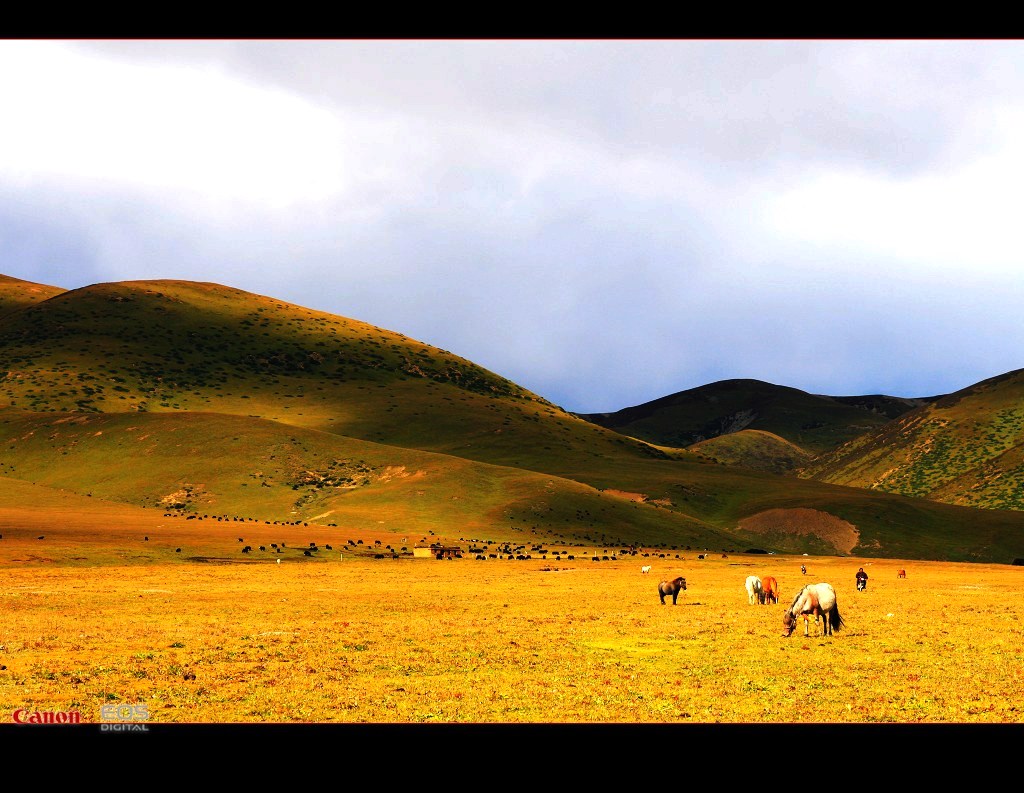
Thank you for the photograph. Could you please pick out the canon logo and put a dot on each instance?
(23, 716)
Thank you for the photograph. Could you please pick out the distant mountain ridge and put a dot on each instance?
(964, 448)
(813, 422)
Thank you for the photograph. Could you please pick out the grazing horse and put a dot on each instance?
(671, 588)
(770, 590)
(901, 573)
(645, 569)
(755, 593)
(816, 599)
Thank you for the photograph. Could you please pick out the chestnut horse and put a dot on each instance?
(901, 573)
(671, 588)
(816, 599)
(770, 590)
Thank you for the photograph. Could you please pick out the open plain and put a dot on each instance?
(211, 635)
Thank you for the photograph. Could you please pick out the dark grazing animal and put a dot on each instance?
(671, 588)
(816, 599)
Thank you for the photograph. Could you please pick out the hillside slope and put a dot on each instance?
(965, 448)
(167, 346)
(16, 293)
(188, 396)
(757, 449)
(242, 468)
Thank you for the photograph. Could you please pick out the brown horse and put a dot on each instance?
(901, 573)
(770, 590)
(671, 588)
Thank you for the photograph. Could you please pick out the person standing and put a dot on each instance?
(862, 580)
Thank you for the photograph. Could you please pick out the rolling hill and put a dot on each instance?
(757, 449)
(16, 293)
(965, 448)
(184, 397)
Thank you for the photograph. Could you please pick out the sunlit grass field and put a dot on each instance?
(344, 638)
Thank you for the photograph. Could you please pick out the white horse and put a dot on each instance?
(754, 589)
(816, 599)
(645, 569)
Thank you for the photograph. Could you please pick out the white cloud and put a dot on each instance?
(161, 128)
(962, 217)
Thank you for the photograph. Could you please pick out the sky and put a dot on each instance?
(604, 222)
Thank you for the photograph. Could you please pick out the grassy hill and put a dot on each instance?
(239, 468)
(16, 293)
(757, 449)
(965, 448)
(169, 346)
(187, 399)
(813, 423)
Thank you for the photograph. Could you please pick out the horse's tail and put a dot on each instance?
(835, 619)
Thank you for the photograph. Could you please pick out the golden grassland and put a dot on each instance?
(345, 638)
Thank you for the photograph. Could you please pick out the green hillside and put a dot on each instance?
(966, 448)
(253, 469)
(192, 398)
(171, 346)
(762, 451)
(16, 293)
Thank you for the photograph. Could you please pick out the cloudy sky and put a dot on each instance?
(604, 222)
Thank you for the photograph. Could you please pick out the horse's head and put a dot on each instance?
(788, 623)
(681, 582)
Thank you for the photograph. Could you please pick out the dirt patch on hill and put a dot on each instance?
(393, 472)
(842, 535)
(626, 495)
(188, 494)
